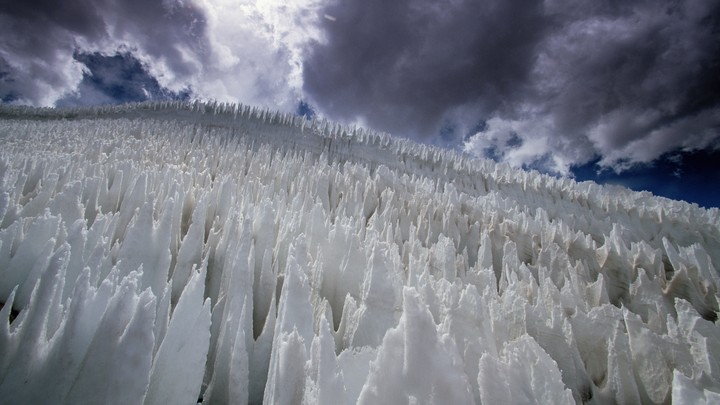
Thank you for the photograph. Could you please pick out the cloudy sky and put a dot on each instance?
(617, 91)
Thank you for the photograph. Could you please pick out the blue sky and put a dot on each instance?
(616, 92)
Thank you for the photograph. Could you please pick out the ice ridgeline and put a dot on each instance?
(177, 253)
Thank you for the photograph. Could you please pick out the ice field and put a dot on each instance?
(176, 253)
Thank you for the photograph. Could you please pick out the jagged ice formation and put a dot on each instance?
(176, 253)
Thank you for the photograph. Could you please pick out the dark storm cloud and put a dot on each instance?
(629, 72)
(402, 65)
(623, 80)
(38, 39)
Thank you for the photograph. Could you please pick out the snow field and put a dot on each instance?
(171, 253)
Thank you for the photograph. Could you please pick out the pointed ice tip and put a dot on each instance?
(6, 308)
(411, 300)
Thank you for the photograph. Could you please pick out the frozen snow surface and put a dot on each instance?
(183, 253)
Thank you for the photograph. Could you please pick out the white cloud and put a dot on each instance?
(531, 141)
(253, 52)
(239, 51)
(688, 134)
(621, 139)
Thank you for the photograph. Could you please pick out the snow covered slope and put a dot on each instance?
(181, 253)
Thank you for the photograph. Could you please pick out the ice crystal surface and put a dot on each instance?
(181, 253)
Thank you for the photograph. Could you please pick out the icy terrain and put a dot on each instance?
(183, 253)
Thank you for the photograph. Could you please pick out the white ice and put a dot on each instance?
(182, 253)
